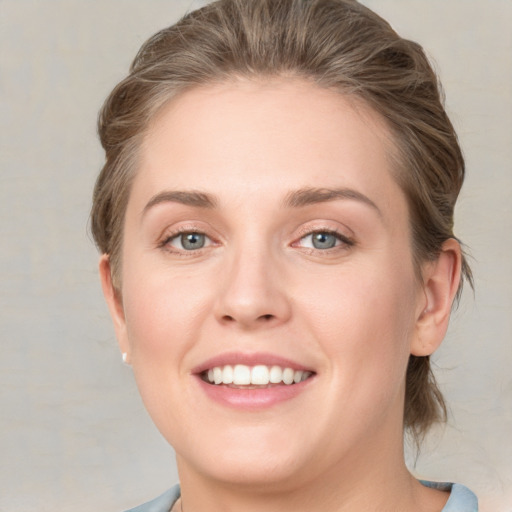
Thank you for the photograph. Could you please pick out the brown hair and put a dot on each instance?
(338, 44)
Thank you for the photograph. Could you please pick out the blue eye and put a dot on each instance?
(323, 240)
(190, 241)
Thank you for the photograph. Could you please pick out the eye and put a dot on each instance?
(323, 240)
(189, 241)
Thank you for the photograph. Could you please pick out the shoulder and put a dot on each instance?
(163, 503)
(461, 498)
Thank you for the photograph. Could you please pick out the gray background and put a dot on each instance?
(74, 435)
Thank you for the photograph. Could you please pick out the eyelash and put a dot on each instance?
(346, 242)
(166, 241)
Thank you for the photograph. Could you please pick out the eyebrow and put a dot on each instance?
(308, 196)
(296, 199)
(186, 197)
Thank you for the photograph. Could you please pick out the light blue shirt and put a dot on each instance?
(461, 499)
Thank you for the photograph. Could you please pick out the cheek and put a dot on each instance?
(162, 313)
(363, 314)
(162, 325)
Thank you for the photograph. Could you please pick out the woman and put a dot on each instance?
(275, 216)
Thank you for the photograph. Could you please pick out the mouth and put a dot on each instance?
(252, 381)
(259, 376)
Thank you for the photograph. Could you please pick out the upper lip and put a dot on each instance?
(249, 359)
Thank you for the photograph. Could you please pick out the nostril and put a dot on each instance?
(228, 319)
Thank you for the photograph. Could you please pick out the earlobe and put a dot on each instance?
(114, 303)
(440, 283)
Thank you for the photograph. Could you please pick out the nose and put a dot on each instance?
(253, 292)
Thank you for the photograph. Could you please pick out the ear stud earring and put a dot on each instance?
(125, 358)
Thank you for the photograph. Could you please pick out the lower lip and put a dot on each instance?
(252, 399)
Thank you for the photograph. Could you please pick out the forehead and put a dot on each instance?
(270, 135)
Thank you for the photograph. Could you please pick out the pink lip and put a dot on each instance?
(252, 359)
(256, 398)
(252, 399)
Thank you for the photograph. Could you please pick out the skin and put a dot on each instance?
(353, 313)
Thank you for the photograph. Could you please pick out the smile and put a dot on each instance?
(253, 381)
(251, 377)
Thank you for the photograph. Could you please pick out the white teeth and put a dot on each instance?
(259, 375)
(217, 375)
(276, 374)
(227, 375)
(241, 375)
(288, 376)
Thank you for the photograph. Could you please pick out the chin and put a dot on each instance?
(247, 460)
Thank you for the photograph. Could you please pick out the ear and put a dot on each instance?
(115, 306)
(440, 283)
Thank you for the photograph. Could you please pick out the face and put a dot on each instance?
(269, 300)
